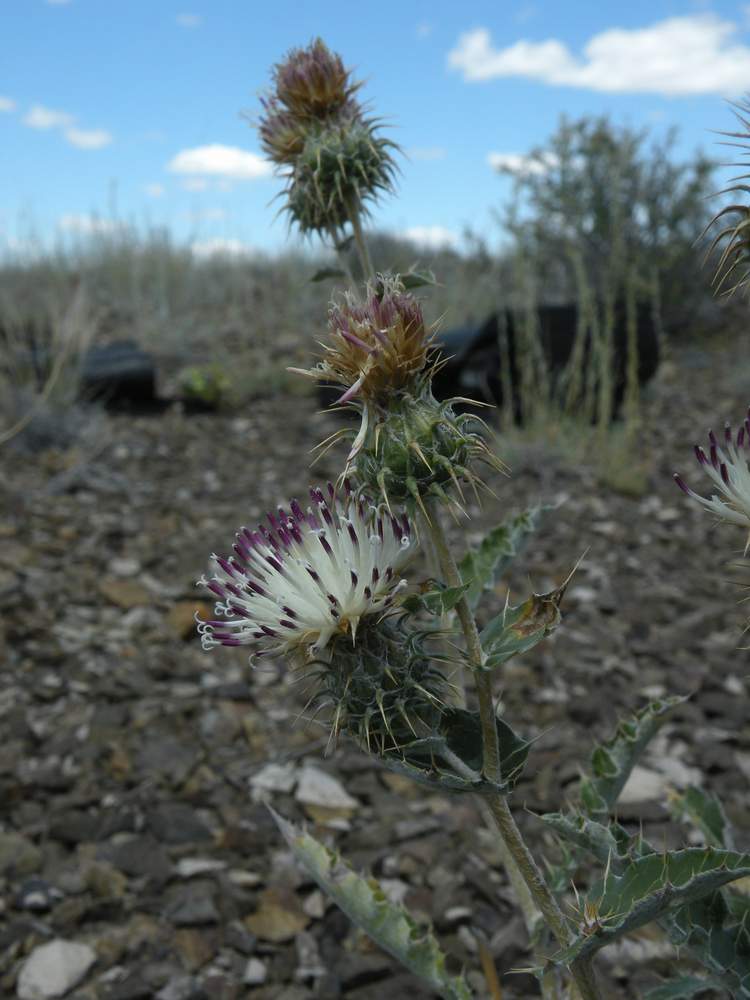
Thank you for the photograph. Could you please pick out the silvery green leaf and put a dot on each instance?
(613, 760)
(364, 902)
(483, 565)
(438, 601)
(649, 888)
(706, 812)
(458, 743)
(682, 988)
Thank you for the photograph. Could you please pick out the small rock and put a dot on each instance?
(279, 916)
(18, 856)
(316, 787)
(125, 593)
(195, 947)
(54, 968)
(177, 823)
(643, 785)
(37, 895)
(189, 867)
(179, 988)
(255, 973)
(191, 905)
(275, 778)
(181, 617)
(138, 856)
(124, 567)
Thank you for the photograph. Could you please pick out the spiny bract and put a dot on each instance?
(417, 448)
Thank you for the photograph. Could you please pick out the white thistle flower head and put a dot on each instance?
(308, 575)
(727, 466)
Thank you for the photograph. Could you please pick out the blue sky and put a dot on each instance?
(133, 110)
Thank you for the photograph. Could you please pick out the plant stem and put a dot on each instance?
(355, 217)
(511, 835)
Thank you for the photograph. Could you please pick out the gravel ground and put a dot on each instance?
(135, 845)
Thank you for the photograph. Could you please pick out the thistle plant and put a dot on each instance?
(329, 151)
(322, 588)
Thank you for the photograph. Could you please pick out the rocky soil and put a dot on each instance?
(137, 856)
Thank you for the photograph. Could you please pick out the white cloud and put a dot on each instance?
(189, 20)
(44, 118)
(696, 54)
(521, 163)
(431, 236)
(427, 153)
(194, 184)
(6, 104)
(207, 215)
(154, 190)
(221, 247)
(220, 161)
(87, 225)
(88, 138)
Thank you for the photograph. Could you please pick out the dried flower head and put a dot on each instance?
(376, 346)
(727, 466)
(313, 81)
(291, 586)
(282, 135)
(331, 153)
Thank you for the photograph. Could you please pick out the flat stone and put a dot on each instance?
(279, 917)
(177, 823)
(316, 787)
(18, 856)
(255, 973)
(644, 785)
(54, 968)
(138, 856)
(275, 778)
(190, 867)
(181, 617)
(192, 905)
(125, 593)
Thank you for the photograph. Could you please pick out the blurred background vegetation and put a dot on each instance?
(600, 213)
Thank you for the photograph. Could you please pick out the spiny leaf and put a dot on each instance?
(682, 988)
(613, 761)
(586, 834)
(703, 929)
(483, 566)
(364, 902)
(649, 888)
(705, 811)
(519, 629)
(428, 761)
(437, 602)
(418, 279)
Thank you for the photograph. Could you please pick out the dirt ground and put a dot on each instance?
(134, 766)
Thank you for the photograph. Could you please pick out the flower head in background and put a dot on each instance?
(377, 345)
(331, 153)
(292, 585)
(313, 81)
(727, 466)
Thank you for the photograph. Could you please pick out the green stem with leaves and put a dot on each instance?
(511, 835)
